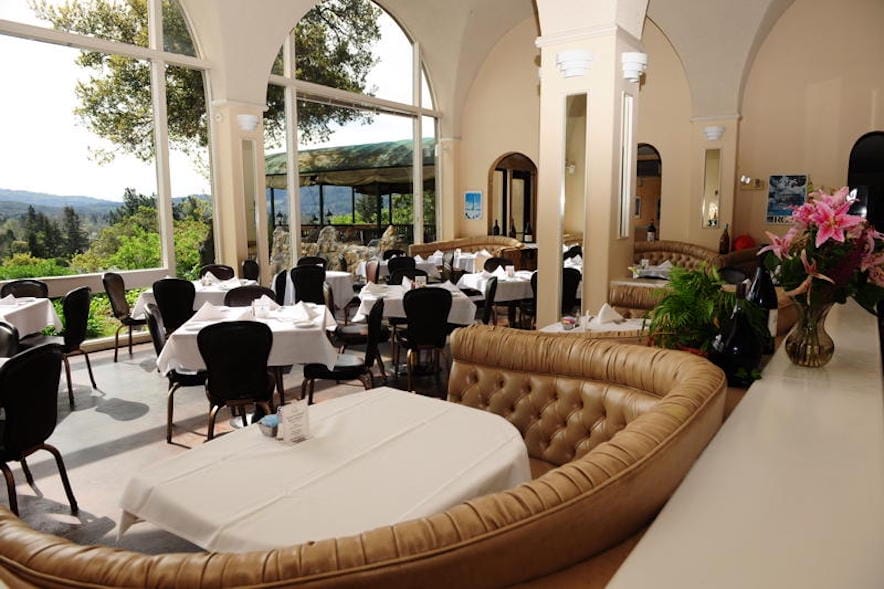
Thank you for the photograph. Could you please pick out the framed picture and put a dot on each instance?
(472, 204)
(786, 192)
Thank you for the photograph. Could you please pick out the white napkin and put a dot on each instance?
(607, 314)
(374, 289)
(228, 284)
(485, 274)
(667, 265)
(303, 312)
(564, 248)
(268, 302)
(209, 312)
(418, 259)
(438, 253)
(574, 261)
(406, 283)
(500, 272)
(8, 300)
(210, 278)
(447, 286)
(484, 252)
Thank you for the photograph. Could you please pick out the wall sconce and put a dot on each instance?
(634, 65)
(573, 62)
(713, 132)
(570, 167)
(750, 183)
(247, 122)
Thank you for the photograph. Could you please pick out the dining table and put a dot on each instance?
(206, 292)
(428, 266)
(463, 310)
(509, 288)
(371, 459)
(340, 282)
(298, 336)
(29, 314)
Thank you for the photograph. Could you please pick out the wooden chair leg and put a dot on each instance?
(67, 373)
(212, 413)
(89, 368)
(27, 471)
(64, 476)
(169, 409)
(10, 488)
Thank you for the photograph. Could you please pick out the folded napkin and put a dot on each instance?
(667, 265)
(209, 312)
(484, 252)
(407, 284)
(447, 286)
(418, 259)
(607, 314)
(209, 278)
(303, 312)
(438, 253)
(500, 272)
(8, 300)
(574, 261)
(564, 248)
(268, 302)
(374, 289)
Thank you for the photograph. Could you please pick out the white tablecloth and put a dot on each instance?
(463, 310)
(636, 326)
(430, 267)
(508, 289)
(30, 315)
(340, 282)
(373, 458)
(291, 344)
(204, 294)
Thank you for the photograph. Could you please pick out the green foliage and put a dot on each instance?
(189, 235)
(333, 43)
(28, 266)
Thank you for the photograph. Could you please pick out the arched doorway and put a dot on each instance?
(512, 182)
(646, 208)
(865, 173)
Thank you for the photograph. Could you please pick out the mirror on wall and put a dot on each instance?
(574, 205)
(512, 188)
(711, 188)
(648, 200)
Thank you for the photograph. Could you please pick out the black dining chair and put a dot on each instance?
(570, 281)
(372, 271)
(238, 374)
(280, 284)
(75, 315)
(250, 270)
(8, 340)
(25, 288)
(573, 251)
(28, 395)
(176, 378)
(426, 311)
(308, 281)
(356, 334)
(175, 298)
(528, 308)
(219, 271)
(492, 264)
(242, 296)
(350, 366)
(400, 263)
(313, 261)
(116, 293)
(397, 275)
(393, 253)
(487, 313)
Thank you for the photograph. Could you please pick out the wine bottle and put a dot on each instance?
(496, 229)
(724, 242)
(652, 231)
(763, 294)
(740, 354)
(529, 233)
(512, 228)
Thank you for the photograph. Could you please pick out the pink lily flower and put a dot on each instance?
(802, 215)
(811, 268)
(779, 245)
(872, 260)
(837, 198)
(833, 221)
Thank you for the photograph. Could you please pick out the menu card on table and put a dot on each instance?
(294, 424)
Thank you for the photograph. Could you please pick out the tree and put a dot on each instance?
(73, 236)
(333, 44)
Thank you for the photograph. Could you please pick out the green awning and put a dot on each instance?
(376, 167)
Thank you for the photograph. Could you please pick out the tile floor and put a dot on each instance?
(120, 427)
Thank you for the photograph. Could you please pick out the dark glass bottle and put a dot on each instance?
(529, 233)
(652, 231)
(496, 229)
(740, 352)
(724, 242)
(763, 294)
(512, 228)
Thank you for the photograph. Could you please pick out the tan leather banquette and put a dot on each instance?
(495, 244)
(690, 256)
(618, 425)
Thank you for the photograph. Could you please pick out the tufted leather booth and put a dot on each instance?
(496, 245)
(618, 425)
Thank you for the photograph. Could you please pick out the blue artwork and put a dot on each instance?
(472, 204)
(787, 192)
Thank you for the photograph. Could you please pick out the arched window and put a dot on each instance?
(366, 127)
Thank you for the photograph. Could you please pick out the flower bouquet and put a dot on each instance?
(826, 256)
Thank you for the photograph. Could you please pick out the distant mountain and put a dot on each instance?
(14, 203)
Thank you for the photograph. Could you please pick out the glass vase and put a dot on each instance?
(808, 344)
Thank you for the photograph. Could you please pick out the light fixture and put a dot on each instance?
(750, 183)
(247, 122)
(713, 132)
(573, 62)
(634, 65)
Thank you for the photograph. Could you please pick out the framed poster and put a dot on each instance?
(786, 192)
(472, 204)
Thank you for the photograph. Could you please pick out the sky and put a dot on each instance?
(50, 149)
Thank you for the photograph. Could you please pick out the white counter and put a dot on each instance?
(790, 493)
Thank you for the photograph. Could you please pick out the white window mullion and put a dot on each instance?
(417, 169)
(293, 176)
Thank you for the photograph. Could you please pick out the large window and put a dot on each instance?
(78, 187)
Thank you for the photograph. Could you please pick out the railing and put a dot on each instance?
(366, 233)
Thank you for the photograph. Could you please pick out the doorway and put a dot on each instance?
(512, 186)
(646, 208)
(865, 173)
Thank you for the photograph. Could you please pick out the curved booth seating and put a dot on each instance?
(690, 256)
(496, 245)
(616, 427)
